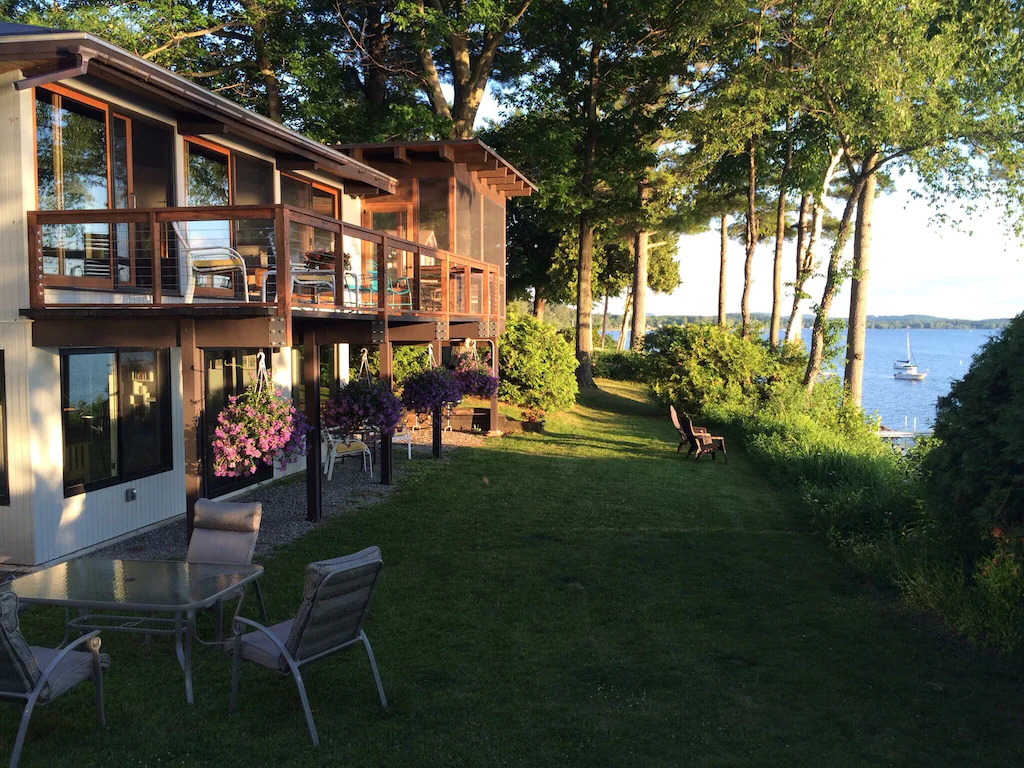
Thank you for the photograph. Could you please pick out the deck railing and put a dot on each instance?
(274, 256)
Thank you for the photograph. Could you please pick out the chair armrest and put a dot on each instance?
(700, 430)
(240, 622)
(92, 640)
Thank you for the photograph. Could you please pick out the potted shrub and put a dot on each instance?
(474, 377)
(428, 391)
(361, 404)
(260, 426)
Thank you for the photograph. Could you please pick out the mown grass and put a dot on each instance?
(582, 597)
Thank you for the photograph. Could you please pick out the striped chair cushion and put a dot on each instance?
(19, 671)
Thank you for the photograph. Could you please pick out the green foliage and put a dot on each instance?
(620, 366)
(977, 474)
(700, 366)
(405, 361)
(537, 366)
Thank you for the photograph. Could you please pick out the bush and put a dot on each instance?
(701, 366)
(405, 361)
(537, 366)
(621, 366)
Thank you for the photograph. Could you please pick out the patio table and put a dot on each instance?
(136, 587)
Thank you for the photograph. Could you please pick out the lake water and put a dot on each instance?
(945, 354)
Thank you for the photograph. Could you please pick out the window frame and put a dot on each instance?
(315, 185)
(167, 440)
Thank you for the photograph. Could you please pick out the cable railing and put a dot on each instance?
(276, 256)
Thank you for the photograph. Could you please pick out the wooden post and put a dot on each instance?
(495, 416)
(156, 244)
(386, 454)
(435, 417)
(192, 406)
(311, 382)
(339, 268)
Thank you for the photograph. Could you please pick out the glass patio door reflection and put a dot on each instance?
(228, 373)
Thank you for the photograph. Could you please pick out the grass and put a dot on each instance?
(582, 597)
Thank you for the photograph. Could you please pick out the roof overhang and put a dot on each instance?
(483, 162)
(50, 56)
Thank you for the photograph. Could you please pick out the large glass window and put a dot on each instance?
(494, 233)
(228, 373)
(5, 492)
(208, 178)
(467, 222)
(254, 181)
(433, 213)
(395, 223)
(71, 147)
(116, 407)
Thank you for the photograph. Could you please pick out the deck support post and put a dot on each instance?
(192, 408)
(435, 416)
(311, 383)
(495, 416)
(386, 373)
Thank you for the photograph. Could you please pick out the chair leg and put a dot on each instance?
(330, 469)
(373, 668)
(305, 706)
(97, 678)
(681, 444)
(236, 662)
(259, 601)
(218, 633)
(22, 730)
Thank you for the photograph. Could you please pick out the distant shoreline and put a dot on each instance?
(878, 322)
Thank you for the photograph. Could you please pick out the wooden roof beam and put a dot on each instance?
(402, 155)
(497, 173)
(198, 125)
(446, 152)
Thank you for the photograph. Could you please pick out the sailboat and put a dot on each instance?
(906, 370)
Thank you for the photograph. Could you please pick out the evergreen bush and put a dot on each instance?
(537, 367)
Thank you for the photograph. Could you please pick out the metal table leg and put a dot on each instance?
(190, 631)
(178, 651)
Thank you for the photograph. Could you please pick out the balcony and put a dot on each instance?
(277, 259)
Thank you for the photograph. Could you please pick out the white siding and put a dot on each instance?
(64, 526)
(16, 529)
(17, 194)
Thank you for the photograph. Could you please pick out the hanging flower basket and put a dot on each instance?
(361, 404)
(430, 389)
(258, 427)
(473, 376)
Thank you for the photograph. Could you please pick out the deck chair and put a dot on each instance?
(701, 441)
(399, 292)
(226, 532)
(683, 439)
(33, 675)
(339, 448)
(336, 600)
(209, 260)
(403, 435)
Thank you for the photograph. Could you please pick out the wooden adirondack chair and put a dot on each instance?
(699, 439)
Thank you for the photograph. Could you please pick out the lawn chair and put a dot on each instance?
(339, 447)
(701, 441)
(39, 675)
(226, 532)
(209, 260)
(336, 600)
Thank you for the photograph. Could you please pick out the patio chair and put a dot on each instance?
(403, 435)
(34, 675)
(209, 260)
(339, 447)
(683, 439)
(226, 532)
(336, 600)
(701, 441)
(399, 292)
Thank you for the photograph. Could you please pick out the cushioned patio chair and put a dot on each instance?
(225, 532)
(336, 600)
(701, 441)
(34, 675)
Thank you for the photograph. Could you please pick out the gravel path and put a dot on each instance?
(284, 503)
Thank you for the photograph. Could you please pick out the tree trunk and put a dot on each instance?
(585, 305)
(620, 343)
(799, 276)
(722, 254)
(539, 303)
(584, 287)
(752, 227)
(780, 239)
(857, 325)
(639, 327)
(259, 43)
(604, 320)
(833, 279)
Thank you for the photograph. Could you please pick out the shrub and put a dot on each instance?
(537, 366)
(976, 477)
(405, 361)
(621, 366)
(700, 366)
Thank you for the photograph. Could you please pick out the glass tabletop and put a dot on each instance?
(136, 585)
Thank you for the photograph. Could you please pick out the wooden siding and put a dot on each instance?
(17, 194)
(64, 526)
(16, 529)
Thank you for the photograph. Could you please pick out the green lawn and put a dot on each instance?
(582, 597)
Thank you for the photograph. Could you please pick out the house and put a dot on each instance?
(154, 237)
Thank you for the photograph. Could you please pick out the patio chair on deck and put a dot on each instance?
(701, 441)
(35, 675)
(226, 532)
(209, 260)
(336, 600)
